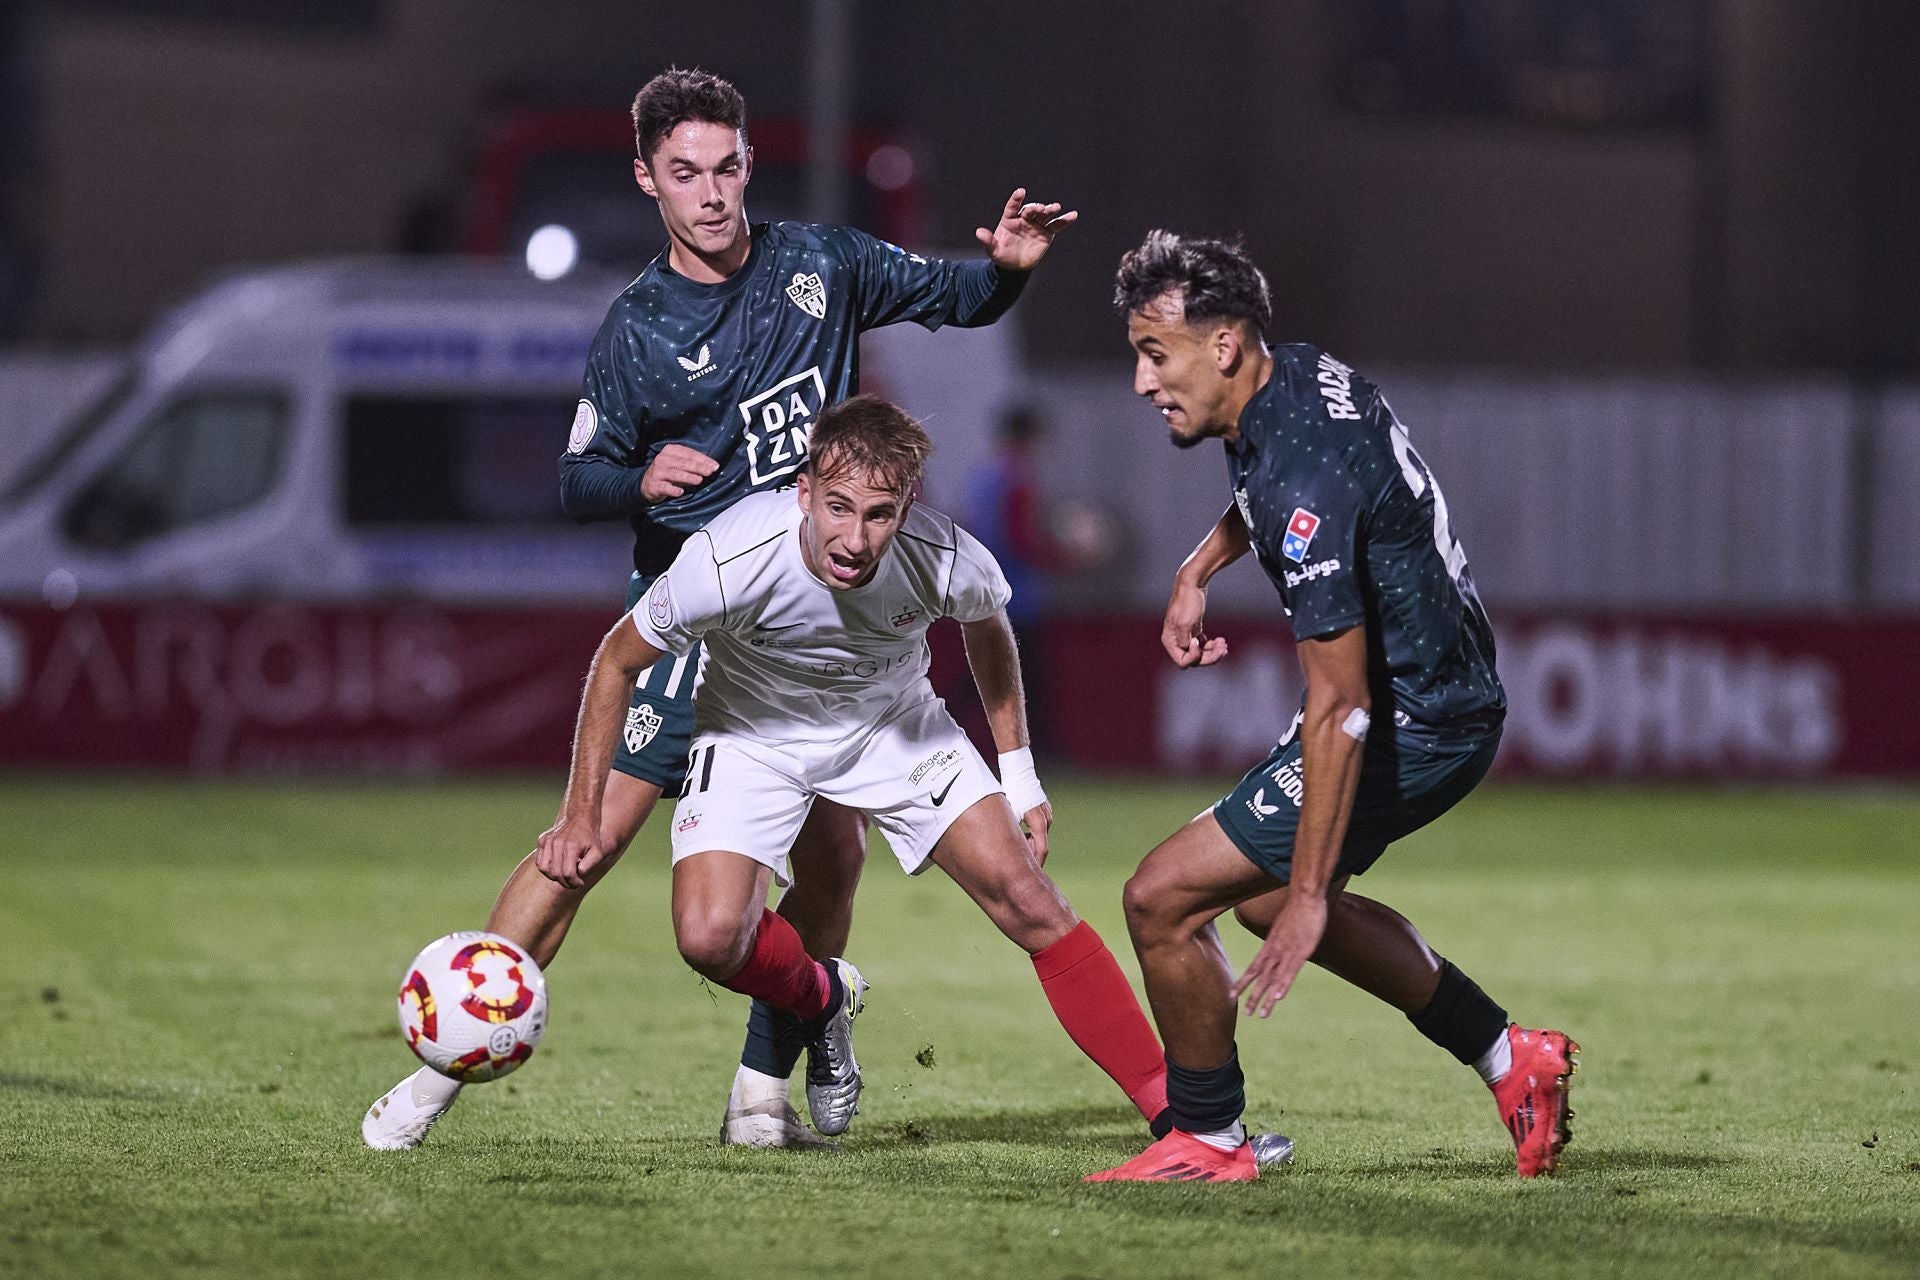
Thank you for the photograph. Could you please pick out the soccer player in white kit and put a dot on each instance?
(814, 610)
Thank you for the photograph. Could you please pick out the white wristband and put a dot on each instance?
(1022, 784)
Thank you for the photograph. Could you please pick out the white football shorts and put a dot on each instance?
(912, 775)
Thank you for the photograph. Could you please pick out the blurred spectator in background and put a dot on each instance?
(1034, 539)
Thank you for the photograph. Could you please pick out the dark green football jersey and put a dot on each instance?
(739, 370)
(1352, 529)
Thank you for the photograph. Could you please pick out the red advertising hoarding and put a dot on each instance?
(1589, 697)
(293, 688)
(424, 690)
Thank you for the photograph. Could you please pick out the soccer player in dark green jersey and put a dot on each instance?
(1400, 719)
(701, 387)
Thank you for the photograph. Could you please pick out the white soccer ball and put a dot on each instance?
(473, 1006)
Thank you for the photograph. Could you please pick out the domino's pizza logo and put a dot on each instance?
(1300, 531)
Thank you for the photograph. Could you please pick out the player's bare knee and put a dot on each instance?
(1144, 906)
(713, 945)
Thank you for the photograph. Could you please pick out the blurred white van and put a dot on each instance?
(369, 429)
(328, 431)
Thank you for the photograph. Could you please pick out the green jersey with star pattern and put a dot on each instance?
(1352, 529)
(740, 369)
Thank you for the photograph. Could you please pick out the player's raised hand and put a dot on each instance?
(1036, 822)
(568, 850)
(1024, 232)
(1291, 941)
(1182, 633)
(673, 471)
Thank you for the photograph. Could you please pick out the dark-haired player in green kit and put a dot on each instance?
(1401, 716)
(700, 388)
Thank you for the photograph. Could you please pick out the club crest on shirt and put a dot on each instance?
(809, 293)
(660, 604)
(905, 617)
(585, 423)
(1246, 508)
(642, 723)
(1300, 531)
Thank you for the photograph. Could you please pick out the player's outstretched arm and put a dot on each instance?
(1182, 632)
(1025, 231)
(571, 846)
(995, 661)
(1333, 730)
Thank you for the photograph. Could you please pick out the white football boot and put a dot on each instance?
(759, 1115)
(770, 1124)
(833, 1075)
(399, 1121)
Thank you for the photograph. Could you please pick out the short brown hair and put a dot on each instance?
(676, 96)
(873, 438)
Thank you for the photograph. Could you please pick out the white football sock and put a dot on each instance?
(431, 1089)
(751, 1087)
(1226, 1139)
(1494, 1064)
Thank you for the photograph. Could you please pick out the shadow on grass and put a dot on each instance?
(1608, 1202)
(1639, 1160)
(1593, 1211)
(1577, 1160)
(67, 1087)
(1061, 1126)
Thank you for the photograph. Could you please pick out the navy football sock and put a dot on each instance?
(1206, 1100)
(774, 1041)
(1461, 1018)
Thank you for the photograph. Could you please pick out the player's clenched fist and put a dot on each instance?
(673, 471)
(568, 850)
(1037, 821)
(1181, 633)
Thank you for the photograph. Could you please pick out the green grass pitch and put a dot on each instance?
(198, 1005)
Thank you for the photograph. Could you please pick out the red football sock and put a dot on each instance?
(781, 973)
(1093, 1001)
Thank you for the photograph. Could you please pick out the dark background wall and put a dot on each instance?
(1775, 226)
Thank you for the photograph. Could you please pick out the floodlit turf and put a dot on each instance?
(199, 1006)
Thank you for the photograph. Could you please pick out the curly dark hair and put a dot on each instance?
(870, 437)
(1215, 279)
(678, 95)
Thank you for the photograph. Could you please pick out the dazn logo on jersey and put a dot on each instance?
(1300, 531)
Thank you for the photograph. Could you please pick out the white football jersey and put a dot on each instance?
(791, 659)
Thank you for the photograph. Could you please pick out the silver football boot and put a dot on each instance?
(833, 1074)
(1271, 1150)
